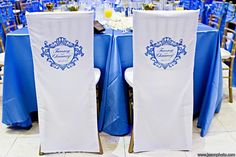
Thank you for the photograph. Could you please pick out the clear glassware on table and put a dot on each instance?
(169, 5)
(57, 9)
(98, 8)
(85, 5)
(108, 10)
(61, 6)
(126, 6)
(162, 4)
(175, 4)
(158, 5)
(136, 5)
(179, 7)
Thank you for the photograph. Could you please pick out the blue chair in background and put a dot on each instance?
(194, 5)
(9, 26)
(230, 15)
(7, 19)
(35, 6)
(186, 4)
(29, 6)
(219, 8)
(203, 11)
(218, 11)
(228, 54)
(208, 1)
(6, 12)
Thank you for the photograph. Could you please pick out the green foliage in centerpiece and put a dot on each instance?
(73, 7)
(149, 6)
(61, 2)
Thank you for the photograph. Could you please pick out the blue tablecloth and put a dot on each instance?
(113, 54)
(207, 81)
(19, 98)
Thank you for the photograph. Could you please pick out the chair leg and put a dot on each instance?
(1, 75)
(17, 19)
(40, 152)
(230, 87)
(131, 143)
(98, 100)
(98, 111)
(100, 145)
(2, 46)
(130, 92)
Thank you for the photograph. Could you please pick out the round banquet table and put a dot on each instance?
(112, 54)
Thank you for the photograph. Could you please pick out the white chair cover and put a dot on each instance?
(164, 48)
(62, 48)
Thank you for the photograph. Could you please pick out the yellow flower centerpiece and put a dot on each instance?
(49, 6)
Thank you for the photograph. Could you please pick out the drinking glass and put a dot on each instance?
(158, 5)
(108, 10)
(84, 5)
(99, 11)
(179, 7)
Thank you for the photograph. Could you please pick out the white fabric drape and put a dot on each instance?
(164, 48)
(62, 49)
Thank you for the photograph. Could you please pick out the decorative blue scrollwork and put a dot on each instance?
(61, 53)
(165, 53)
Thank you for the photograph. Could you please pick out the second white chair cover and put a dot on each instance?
(62, 48)
(164, 48)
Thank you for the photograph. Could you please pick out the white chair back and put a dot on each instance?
(62, 49)
(164, 48)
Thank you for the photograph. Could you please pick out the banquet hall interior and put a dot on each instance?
(117, 78)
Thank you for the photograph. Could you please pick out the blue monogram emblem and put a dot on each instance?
(61, 53)
(165, 53)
